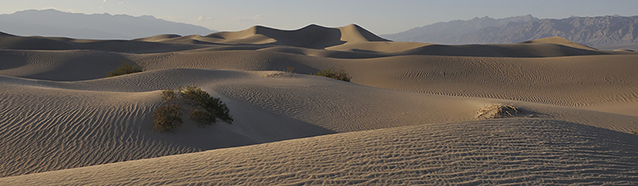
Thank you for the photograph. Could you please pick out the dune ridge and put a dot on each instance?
(567, 81)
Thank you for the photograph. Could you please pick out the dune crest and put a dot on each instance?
(311, 36)
(2, 34)
(560, 41)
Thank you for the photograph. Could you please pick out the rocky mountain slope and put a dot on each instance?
(605, 32)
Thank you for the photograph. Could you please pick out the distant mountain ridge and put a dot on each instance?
(604, 32)
(54, 23)
(440, 32)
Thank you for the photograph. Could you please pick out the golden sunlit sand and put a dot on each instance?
(408, 116)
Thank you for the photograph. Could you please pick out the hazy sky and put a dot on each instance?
(378, 16)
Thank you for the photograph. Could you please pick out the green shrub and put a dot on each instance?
(204, 109)
(167, 118)
(126, 68)
(335, 74)
(202, 101)
(203, 116)
(195, 96)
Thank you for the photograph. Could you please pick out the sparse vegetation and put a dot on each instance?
(497, 111)
(203, 108)
(202, 116)
(168, 95)
(202, 101)
(335, 74)
(634, 132)
(290, 69)
(125, 68)
(167, 118)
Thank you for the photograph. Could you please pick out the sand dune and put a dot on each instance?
(108, 120)
(561, 41)
(159, 38)
(311, 36)
(407, 117)
(503, 50)
(510, 151)
(566, 81)
(45, 116)
(8, 41)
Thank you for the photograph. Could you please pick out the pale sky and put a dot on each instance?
(378, 16)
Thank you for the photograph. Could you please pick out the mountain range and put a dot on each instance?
(94, 26)
(604, 32)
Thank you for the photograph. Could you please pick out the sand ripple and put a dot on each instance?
(509, 151)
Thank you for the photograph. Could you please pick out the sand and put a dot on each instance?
(506, 151)
(407, 117)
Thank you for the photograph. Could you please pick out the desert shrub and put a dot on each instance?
(194, 96)
(125, 68)
(497, 111)
(203, 102)
(335, 74)
(168, 95)
(203, 116)
(634, 132)
(204, 109)
(290, 69)
(167, 118)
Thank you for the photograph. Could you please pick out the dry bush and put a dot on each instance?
(497, 111)
(334, 74)
(168, 95)
(290, 69)
(167, 118)
(126, 68)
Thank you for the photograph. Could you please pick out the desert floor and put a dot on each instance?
(413, 113)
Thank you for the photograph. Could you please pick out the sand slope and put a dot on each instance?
(8, 41)
(51, 125)
(561, 41)
(567, 81)
(510, 151)
(58, 125)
